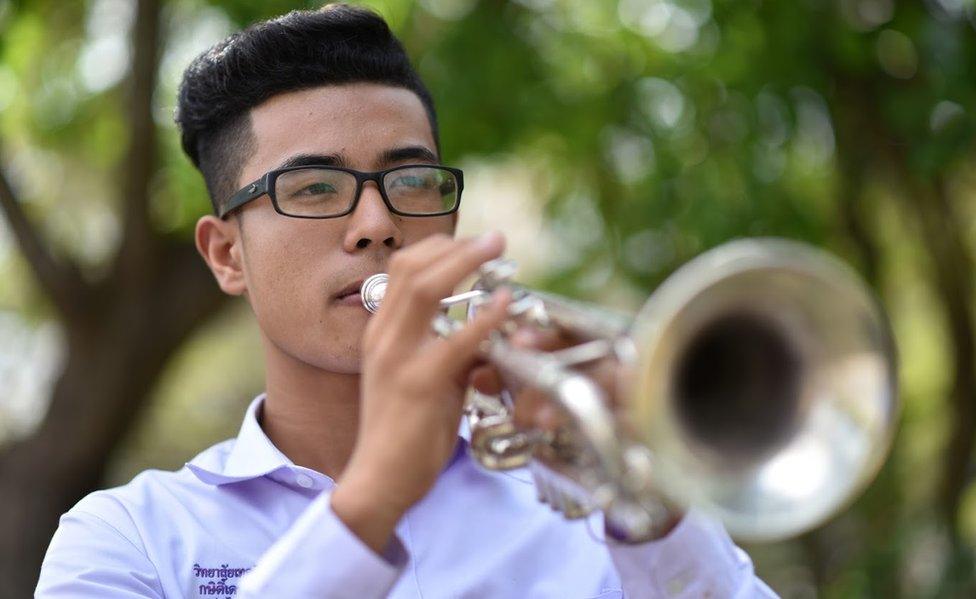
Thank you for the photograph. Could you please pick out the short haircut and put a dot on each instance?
(335, 45)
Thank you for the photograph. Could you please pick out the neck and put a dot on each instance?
(311, 415)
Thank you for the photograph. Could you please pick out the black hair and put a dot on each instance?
(303, 49)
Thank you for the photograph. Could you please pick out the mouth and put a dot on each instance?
(350, 293)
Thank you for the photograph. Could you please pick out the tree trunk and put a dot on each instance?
(952, 279)
(113, 358)
(120, 331)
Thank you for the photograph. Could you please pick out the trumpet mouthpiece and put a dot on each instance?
(373, 290)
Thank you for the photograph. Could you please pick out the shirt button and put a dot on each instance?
(305, 481)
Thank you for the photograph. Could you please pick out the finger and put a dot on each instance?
(418, 300)
(536, 410)
(458, 352)
(405, 263)
(417, 256)
(486, 379)
(540, 339)
(551, 418)
(606, 374)
(445, 274)
(401, 271)
(528, 403)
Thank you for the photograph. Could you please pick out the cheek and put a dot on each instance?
(287, 280)
(288, 272)
(281, 294)
(279, 274)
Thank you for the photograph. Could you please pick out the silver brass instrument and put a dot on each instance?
(758, 384)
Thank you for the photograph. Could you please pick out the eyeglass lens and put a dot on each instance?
(325, 192)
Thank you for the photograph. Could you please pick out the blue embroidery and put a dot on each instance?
(217, 585)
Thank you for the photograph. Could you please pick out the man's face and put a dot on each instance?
(294, 269)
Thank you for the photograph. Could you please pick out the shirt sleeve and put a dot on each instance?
(88, 557)
(320, 557)
(696, 559)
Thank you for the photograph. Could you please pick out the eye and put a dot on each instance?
(315, 189)
(414, 181)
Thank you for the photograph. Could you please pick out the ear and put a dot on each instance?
(219, 243)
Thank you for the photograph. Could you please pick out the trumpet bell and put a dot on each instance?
(758, 384)
(764, 386)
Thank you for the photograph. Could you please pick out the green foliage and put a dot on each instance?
(655, 129)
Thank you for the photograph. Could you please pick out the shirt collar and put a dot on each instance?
(252, 454)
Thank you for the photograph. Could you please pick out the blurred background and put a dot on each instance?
(612, 140)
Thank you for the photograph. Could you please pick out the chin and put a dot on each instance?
(330, 346)
(343, 365)
(330, 355)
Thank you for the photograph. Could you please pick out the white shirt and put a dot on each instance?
(242, 520)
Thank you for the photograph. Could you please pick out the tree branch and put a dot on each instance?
(138, 170)
(954, 282)
(60, 279)
(926, 201)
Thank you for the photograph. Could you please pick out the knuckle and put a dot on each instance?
(428, 244)
(438, 238)
(487, 321)
(426, 294)
(426, 283)
(403, 261)
(421, 289)
(465, 341)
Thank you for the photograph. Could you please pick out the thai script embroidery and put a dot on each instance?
(218, 584)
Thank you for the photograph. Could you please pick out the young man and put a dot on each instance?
(318, 143)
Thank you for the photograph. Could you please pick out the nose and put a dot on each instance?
(371, 223)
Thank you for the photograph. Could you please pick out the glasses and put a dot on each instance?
(332, 191)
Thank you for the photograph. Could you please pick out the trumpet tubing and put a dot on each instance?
(757, 383)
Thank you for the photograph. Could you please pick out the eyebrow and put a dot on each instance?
(386, 158)
(314, 160)
(406, 153)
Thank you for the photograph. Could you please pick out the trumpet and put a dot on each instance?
(757, 384)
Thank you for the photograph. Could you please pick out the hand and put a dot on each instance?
(533, 408)
(413, 384)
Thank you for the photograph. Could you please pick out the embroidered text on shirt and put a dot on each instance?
(217, 585)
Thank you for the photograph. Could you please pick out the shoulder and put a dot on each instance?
(124, 527)
(104, 541)
(147, 497)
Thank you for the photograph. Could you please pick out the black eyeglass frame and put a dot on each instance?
(266, 185)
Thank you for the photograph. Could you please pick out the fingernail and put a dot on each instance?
(522, 338)
(501, 296)
(489, 240)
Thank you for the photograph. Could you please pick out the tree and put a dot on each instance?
(120, 329)
(649, 131)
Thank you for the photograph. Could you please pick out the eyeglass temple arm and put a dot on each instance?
(252, 191)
